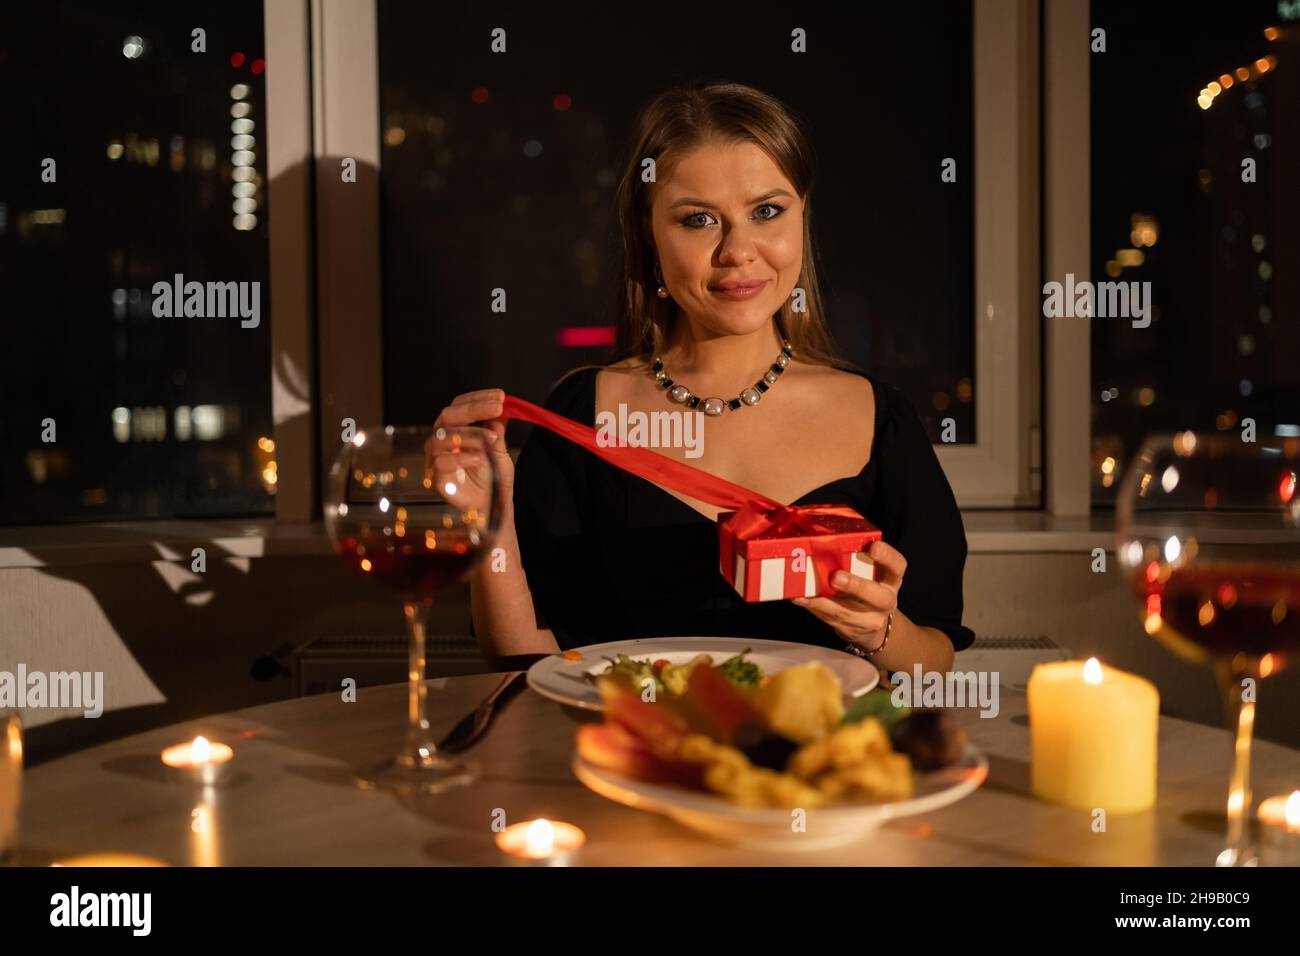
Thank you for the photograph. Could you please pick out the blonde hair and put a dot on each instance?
(676, 122)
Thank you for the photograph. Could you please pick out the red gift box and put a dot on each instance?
(768, 551)
(795, 556)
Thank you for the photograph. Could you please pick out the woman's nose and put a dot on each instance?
(737, 246)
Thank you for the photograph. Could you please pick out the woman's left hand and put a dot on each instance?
(861, 609)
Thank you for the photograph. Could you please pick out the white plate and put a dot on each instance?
(566, 681)
(773, 829)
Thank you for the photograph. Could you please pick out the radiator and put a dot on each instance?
(1013, 656)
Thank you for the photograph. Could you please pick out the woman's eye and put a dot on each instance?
(699, 220)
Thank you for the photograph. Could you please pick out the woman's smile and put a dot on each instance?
(739, 289)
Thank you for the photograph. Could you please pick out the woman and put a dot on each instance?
(720, 287)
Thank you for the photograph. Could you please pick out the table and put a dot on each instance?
(290, 800)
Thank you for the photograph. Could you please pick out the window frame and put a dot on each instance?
(1001, 468)
(1067, 247)
(288, 166)
(323, 100)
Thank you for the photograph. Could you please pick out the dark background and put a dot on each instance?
(885, 92)
(1225, 344)
(73, 352)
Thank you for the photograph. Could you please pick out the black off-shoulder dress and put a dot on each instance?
(610, 556)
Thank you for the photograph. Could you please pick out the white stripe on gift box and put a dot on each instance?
(863, 566)
(740, 576)
(771, 581)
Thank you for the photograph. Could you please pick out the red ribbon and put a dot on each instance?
(754, 515)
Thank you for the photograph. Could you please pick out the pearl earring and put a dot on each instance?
(659, 277)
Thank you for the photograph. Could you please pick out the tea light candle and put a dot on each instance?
(545, 842)
(1093, 734)
(200, 759)
(1279, 830)
(11, 781)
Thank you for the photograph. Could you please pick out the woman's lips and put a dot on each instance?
(740, 291)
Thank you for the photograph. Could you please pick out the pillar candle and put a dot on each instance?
(1093, 735)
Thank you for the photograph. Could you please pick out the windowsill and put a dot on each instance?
(113, 542)
(1037, 531)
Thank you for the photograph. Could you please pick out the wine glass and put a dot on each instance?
(1208, 531)
(414, 508)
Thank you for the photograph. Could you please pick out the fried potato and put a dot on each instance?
(835, 762)
(879, 777)
(728, 771)
(704, 750)
(787, 790)
(803, 702)
(845, 746)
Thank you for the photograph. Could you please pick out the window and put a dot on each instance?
(1195, 140)
(131, 159)
(493, 171)
(499, 170)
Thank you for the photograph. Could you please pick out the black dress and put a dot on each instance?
(611, 556)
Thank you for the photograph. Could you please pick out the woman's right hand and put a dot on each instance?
(472, 421)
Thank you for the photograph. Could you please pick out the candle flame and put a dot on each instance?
(200, 750)
(1092, 671)
(14, 740)
(1292, 811)
(540, 836)
(1236, 800)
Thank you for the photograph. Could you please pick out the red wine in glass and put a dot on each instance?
(413, 509)
(1234, 611)
(415, 568)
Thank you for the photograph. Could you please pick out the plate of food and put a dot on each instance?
(658, 667)
(783, 766)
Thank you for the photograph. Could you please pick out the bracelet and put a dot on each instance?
(855, 649)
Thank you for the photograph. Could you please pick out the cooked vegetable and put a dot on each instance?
(878, 703)
(656, 728)
(675, 676)
(713, 706)
(616, 748)
(741, 672)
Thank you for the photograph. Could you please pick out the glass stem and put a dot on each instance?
(1240, 849)
(419, 749)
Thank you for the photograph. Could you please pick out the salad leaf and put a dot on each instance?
(634, 672)
(673, 678)
(878, 703)
(740, 672)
